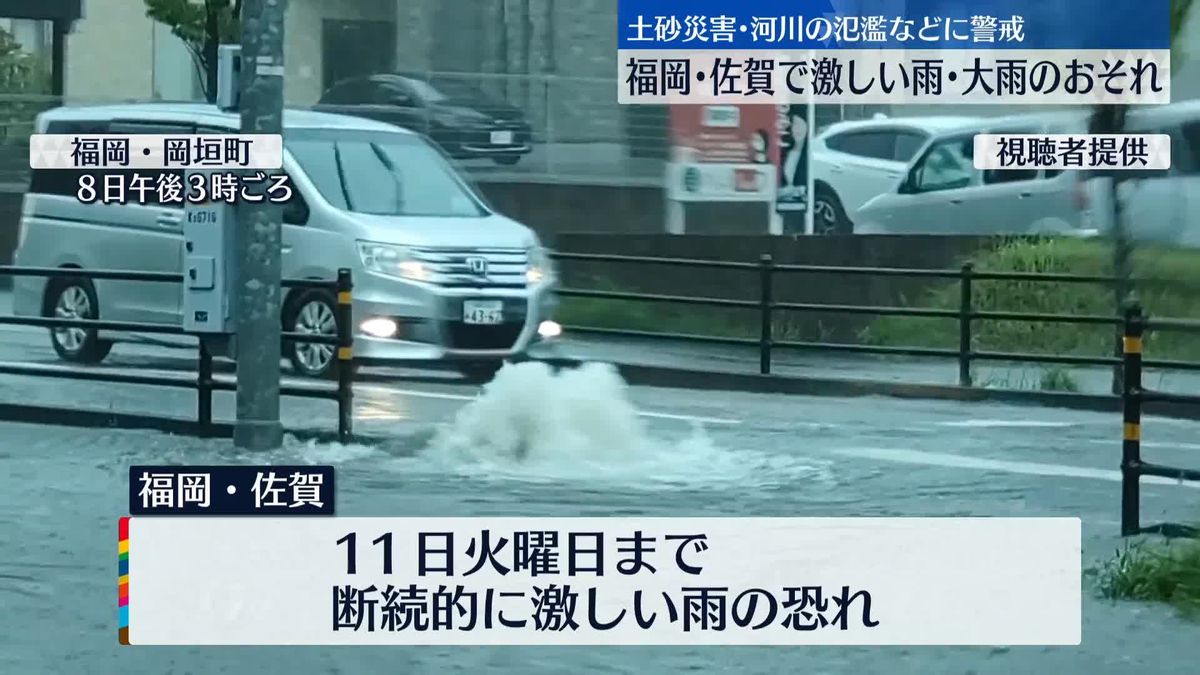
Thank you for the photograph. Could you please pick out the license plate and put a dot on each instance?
(483, 312)
(502, 138)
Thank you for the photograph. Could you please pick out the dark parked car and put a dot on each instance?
(464, 121)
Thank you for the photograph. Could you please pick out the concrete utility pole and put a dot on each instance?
(259, 235)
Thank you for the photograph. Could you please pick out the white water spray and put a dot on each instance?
(531, 423)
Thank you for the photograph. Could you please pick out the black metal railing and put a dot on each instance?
(1133, 397)
(766, 271)
(204, 381)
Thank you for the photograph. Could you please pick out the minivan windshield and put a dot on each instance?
(382, 173)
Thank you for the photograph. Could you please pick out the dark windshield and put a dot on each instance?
(382, 173)
(444, 90)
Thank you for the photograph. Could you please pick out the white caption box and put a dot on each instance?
(1118, 152)
(101, 152)
(931, 581)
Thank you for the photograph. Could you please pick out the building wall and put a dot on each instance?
(117, 53)
(110, 53)
(555, 59)
(175, 75)
(303, 48)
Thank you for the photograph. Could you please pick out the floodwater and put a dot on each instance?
(582, 443)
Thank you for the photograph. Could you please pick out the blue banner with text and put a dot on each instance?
(894, 24)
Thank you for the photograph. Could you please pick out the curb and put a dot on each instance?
(679, 378)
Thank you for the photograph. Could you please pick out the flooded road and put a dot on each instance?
(583, 444)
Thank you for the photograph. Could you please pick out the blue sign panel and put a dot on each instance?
(894, 24)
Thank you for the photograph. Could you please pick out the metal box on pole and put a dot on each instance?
(229, 77)
(209, 261)
(209, 230)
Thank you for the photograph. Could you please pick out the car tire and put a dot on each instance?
(313, 312)
(479, 372)
(829, 218)
(68, 298)
(507, 160)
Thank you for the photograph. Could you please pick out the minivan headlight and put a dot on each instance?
(541, 267)
(394, 261)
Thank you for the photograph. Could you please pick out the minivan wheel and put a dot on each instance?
(480, 372)
(313, 314)
(75, 299)
(828, 215)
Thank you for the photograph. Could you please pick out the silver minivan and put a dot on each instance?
(439, 276)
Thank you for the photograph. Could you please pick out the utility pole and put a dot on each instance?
(259, 237)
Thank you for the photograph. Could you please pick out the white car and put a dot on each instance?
(942, 193)
(853, 162)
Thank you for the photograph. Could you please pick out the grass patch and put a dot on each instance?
(1154, 572)
(1046, 379)
(1058, 379)
(1176, 299)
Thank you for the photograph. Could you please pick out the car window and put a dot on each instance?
(152, 128)
(391, 93)
(1013, 174)
(63, 182)
(335, 94)
(873, 144)
(948, 165)
(295, 211)
(448, 89)
(887, 144)
(429, 92)
(908, 144)
(346, 93)
(132, 127)
(1185, 149)
(382, 173)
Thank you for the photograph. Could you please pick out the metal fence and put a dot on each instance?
(766, 271)
(203, 381)
(1133, 397)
